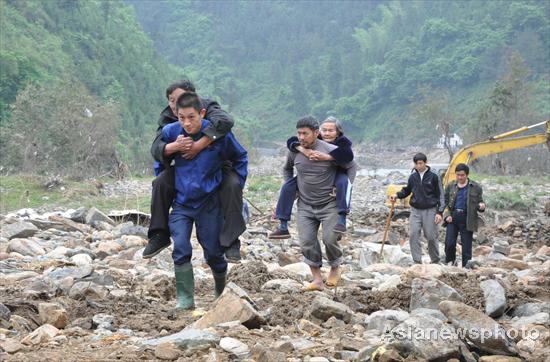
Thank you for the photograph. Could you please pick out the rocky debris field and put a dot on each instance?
(73, 287)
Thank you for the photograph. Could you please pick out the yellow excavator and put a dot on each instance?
(503, 142)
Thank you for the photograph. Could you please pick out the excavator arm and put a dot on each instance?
(496, 144)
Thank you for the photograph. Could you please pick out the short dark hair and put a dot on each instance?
(420, 157)
(184, 84)
(189, 99)
(309, 122)
(462, 167)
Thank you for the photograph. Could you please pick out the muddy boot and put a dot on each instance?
(219, 282)
(185, 286)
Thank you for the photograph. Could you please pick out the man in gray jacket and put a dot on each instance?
(316, 201)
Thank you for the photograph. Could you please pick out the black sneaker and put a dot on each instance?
(279, 234)
(157, 243)
(233, 252)
(339, 228)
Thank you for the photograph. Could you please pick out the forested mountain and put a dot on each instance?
(362, 61)
(388, 69)
(97, 47)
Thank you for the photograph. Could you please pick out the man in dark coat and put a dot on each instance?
(463, 200)
(427, 203)
(163, 186)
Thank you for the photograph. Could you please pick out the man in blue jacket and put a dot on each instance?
(197, 182)
(163, 191)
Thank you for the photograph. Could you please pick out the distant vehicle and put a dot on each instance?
(503, 142)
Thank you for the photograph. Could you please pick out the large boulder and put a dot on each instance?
(426, 337)
(385, 320)
(529, 309)
(21, 229)
(495, 297)
(324, 308)
(425, 271)
(283, 285)
(427, 312)
(78, 272)
(130, 241)
(301, 269)
(478, 328)
(187, 338)
(25, 247)
(87, 290)
(502, 247)
(5, 314)
(384, 268)
(234, 347)
(42, 334)
(428, 293)
(539, 318)
(368, 257)
(167, 351)
(11, 345)
(94, 216)
(51, 313)
(388, 283)
(233, 305)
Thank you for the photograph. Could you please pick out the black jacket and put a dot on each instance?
(426, 193)
(221, 124)
(342, 155)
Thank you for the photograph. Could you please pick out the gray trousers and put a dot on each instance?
(423, 219)
(309, 219)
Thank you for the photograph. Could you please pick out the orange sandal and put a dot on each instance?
(332, 281)
(312, 287)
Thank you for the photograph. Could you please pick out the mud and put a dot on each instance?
(371, 301)
(251, 276)
(468, 286)
(286, 309)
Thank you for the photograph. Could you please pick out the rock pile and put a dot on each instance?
(73, 286)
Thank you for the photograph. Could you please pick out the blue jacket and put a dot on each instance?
(200, 177)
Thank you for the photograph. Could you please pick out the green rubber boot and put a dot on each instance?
(219, 282)
(185, 286)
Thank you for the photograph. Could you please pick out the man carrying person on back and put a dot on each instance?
(316, 203)
(163, 192)
(427, 204)
(197, 183)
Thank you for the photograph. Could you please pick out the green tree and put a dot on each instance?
(61, 129)
(510, 102)
(433, 110)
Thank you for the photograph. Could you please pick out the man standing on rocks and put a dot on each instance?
(427, 204)
(163, 192)
(316, 203)
(197, 184)
(463, 198)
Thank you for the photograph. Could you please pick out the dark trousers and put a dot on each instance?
(208, 223)
(286, 199)
(231, 203)
(453, 229)
(343, 192)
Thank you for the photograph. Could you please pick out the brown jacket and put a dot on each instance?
(475, 196)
